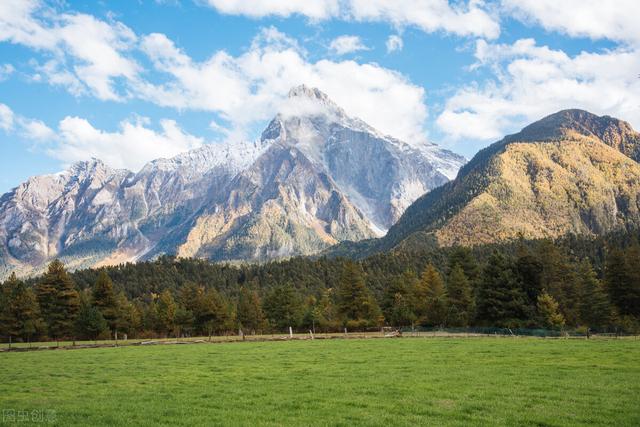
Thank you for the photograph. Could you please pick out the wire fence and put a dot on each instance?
(520, 332)
(386, 332)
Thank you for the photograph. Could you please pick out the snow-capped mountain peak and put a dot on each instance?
(304, 91)
(381, 175)
(316, 176)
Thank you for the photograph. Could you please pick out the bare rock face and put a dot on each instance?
(316, 177)
(282, 205)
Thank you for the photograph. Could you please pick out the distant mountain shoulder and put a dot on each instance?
(571, 172)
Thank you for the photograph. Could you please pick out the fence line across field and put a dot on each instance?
(386, 332)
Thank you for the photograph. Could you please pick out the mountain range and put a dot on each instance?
(321, 181)
(316, 177)
(572, 172)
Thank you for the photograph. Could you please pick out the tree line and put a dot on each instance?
(569, 283)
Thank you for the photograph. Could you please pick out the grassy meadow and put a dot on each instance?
(409, 381)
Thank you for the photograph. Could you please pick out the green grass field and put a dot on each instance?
(409, 381)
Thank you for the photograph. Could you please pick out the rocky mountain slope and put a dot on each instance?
(571, 172)
(316, 177)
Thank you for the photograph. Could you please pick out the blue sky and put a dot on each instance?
(129, 81)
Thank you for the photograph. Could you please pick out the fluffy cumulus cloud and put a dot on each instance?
(130, 147)
(104, 58)
(461, 18)
(85, 53)
(532, 81)
(394, 43)
(93, 57)
(347, 44)
(133, 145)
(250, 87)
(31, 129)
(35, 130)
(596, 19)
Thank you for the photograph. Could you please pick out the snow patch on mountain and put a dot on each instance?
(235, 156)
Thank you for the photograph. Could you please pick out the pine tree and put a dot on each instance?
(59, 301)
(460, 298)
(212, 313)
(593, 301)
(90, 322)
(249, 312)
(151, 318)
(312, 317)
(420, 297)
(326, 311)
(136, 318)
(355, 302)
(184, 321)
(549, 313)
(20, 314)
(618, 281)
(566, 291)
(190, 296)
(632, 300)
(402, 313)
(398, 301)
(104, 299)
(230, 320)
(559, 278)
(463, 257)
(530, 269)
(192, 302)
(431, 298)
(283, 308)
(395, 287)
(167, 308)
(124, 312)
(501, 300)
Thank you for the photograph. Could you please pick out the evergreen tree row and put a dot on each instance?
(569, 283)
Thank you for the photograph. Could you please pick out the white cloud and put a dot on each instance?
(35, 130)
(87, 54)
(469, 18)
(6, 117)
(314, 9)
(5, 71)
(131, 147)
(532, 81)
(248, 88)
(347, 44)
(596, 19)
(97, 49)
(28, 128)
(17, 25)
(57, 74)
(394, 43)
